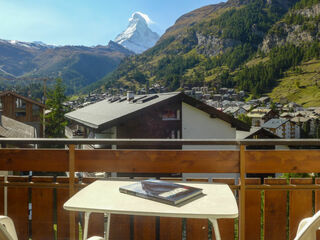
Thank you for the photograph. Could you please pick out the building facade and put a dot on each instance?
(22, 109)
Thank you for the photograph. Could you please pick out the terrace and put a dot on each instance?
(268, 208)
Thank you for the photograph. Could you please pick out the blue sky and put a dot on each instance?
(84, 22)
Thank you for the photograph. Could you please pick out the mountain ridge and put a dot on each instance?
(77, 65)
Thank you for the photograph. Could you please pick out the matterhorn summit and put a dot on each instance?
(138, 37)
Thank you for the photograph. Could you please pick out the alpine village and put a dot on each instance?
(227, 100)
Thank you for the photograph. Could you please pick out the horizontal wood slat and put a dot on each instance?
(160, 161)
(157, 161)
(34, 160)
(293, 161)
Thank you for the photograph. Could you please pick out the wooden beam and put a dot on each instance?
(293, 161)
(158, 161)
(164, 142)
(126, 142)
(42, 160)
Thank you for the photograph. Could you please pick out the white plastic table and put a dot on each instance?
(103, 196)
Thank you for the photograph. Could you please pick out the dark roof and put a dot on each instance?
(108, 112)
(261, 132)
(274, 123)
(22, 97)
(10, 128)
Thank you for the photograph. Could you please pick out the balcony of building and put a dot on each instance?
(269, 208)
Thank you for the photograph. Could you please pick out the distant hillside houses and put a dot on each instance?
(162, 115)
(283, 128)
(231, 102)
(260, 115)
(235, 111)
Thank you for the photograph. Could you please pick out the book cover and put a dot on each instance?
(161, 191)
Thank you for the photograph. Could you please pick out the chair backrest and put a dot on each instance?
(4, 235)
(308, 228)
(7, 229)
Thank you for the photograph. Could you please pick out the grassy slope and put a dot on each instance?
(303, 87)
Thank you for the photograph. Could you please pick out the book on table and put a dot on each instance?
(162, 191)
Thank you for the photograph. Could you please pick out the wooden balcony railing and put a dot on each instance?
(270, 209)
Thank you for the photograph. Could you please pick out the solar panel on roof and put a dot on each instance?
(123, 99)
(139, 98)
(114, 99)
(148, 99)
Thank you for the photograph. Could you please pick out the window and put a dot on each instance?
(171, 115)
(35, 110)
(20, 103)
(20, 107)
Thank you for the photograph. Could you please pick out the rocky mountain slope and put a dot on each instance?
(138, 37)
(202, 44)
(299, 26)
(77, 65)
(246, 44)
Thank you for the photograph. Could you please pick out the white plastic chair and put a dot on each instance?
(96, 238)
(308, 227)
(7, 229)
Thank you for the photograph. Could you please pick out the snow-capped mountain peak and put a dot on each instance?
(29, 45)
(138, 37)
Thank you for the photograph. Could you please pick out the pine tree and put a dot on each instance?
(54, 120)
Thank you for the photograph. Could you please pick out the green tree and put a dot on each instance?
(244, 118)
(54, 120)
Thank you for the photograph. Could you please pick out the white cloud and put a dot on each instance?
(145, 16)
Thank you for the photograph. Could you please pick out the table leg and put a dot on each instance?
(108, 226)
(216, 228)
(86, 225)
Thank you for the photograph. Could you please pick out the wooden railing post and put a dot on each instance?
(72, 225)
(242, 192)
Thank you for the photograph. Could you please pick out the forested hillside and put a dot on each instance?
(244, 44)
(78, 66)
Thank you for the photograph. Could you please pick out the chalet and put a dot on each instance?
(287, 115)
(164, 115)
(284, 128)
(264, 100)
(256, 133)
(261, 115)
(10, 128)
(22, 109)
(235, 111)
